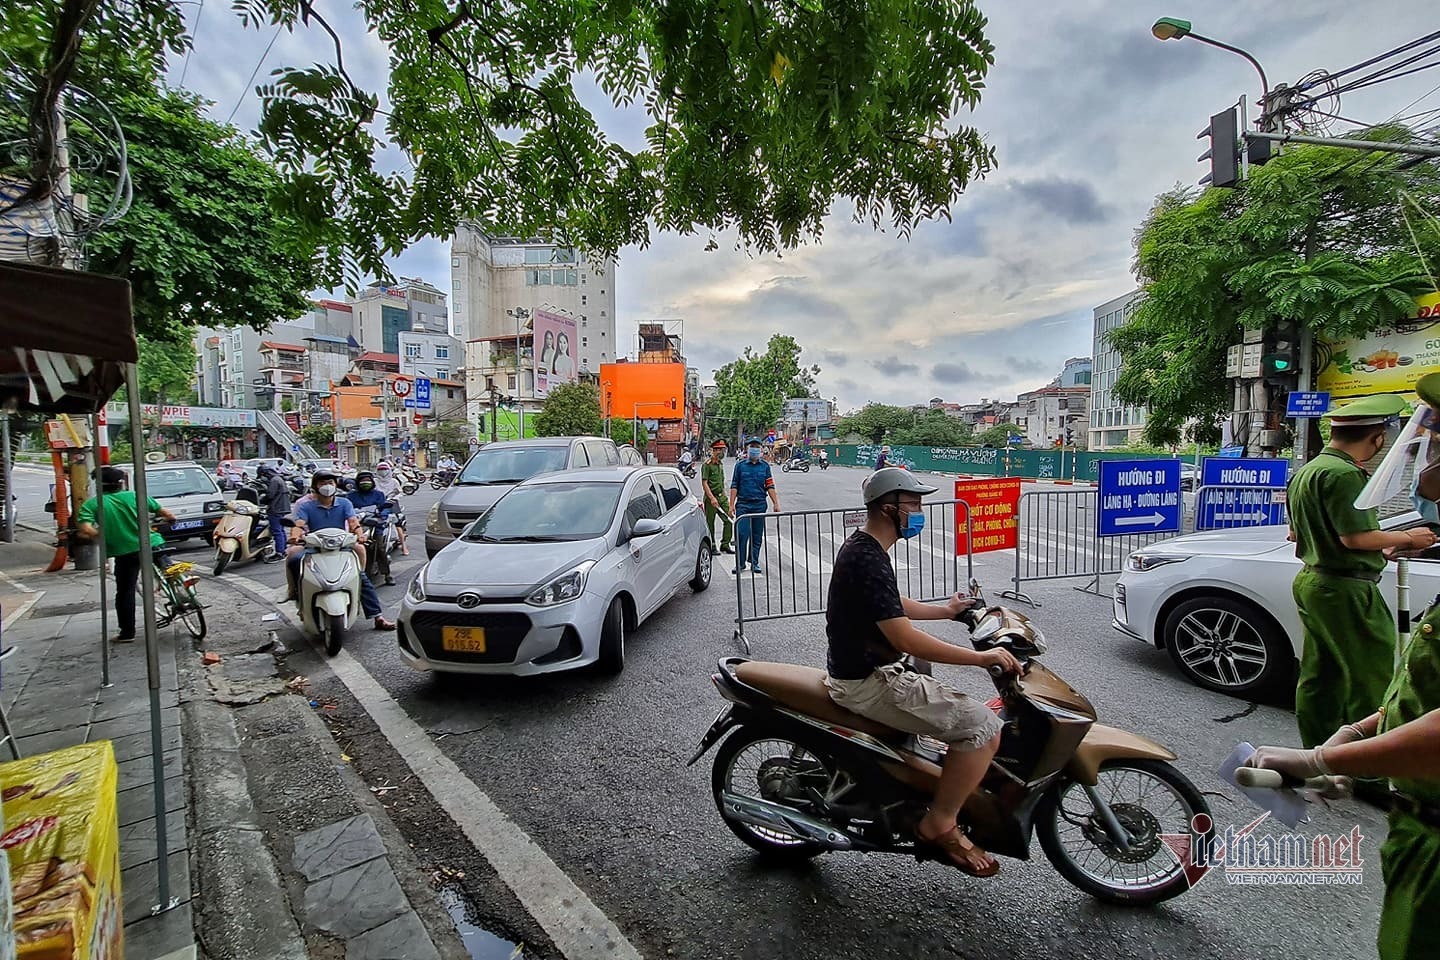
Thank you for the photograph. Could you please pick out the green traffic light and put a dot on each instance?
(1282, 364)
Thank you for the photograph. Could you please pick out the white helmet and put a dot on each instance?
(893, 480)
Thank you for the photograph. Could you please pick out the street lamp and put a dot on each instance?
(1173, 28)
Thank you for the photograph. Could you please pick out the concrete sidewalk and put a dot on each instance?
(52, 691)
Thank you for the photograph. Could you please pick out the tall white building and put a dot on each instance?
(382, 313)
(490, 276)
(1112, 423)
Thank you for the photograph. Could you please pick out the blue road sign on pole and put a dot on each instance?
(1015, 439)
(1245, 472)
(1232, 453)
(1306, 405)
(1138, 496)
(422, 393)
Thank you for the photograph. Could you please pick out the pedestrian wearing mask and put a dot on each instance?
(750, 484)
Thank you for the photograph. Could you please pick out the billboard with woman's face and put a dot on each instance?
(556, 353)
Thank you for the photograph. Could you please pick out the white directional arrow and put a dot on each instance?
(1145, 520)
(1253, 515)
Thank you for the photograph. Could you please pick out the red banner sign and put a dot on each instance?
(994, 514)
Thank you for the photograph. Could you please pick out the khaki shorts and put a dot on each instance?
(915, 703)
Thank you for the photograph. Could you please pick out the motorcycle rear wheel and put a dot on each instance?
(1151, 799)
(757, 763)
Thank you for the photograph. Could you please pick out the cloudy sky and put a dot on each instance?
(1091, 117)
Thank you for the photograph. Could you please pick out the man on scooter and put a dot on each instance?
(870, 630)
(326, 512)
(367, 494)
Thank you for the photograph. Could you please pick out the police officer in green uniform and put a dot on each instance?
(712, 485)
(1400, 741)
(1349, 632)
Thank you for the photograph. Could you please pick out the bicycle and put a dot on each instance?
(176, 584)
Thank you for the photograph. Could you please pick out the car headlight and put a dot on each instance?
(564, 588)
(432, 520)
(1145, 562)
(416, 590)
(214, 506)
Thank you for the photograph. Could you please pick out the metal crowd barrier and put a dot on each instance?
(1057, 541)
(797, 557)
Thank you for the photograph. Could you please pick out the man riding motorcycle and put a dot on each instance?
(323, 512)
(870, 631)
(389, 484)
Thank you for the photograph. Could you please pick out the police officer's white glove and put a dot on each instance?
(1300, 764)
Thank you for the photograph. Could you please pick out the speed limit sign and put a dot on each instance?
(400, 387)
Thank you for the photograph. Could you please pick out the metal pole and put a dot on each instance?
(152, 650)
(1264, 84)
(101, 562)
(635, 428)
(9, 530)
(1382, 146)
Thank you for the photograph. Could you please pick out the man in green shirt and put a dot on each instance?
(712, 482)
(121, 520)
(1349, 632)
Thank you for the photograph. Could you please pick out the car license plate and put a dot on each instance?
(187, 524)
(463, 639)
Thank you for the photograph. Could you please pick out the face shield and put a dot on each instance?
(1413, 450)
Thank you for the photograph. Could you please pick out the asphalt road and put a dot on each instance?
(593, 769)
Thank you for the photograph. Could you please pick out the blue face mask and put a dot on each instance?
(914, 523)
(753, 453)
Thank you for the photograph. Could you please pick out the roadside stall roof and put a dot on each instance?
(63, 337)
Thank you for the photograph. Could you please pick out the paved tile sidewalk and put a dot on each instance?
(51, 688)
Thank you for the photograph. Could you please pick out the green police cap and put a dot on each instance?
(1368, 410)
(1429, 390)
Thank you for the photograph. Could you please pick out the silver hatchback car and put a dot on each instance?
(556, 574)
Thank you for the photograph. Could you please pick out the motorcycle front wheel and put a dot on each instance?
(222, 560)
(409, 489)
(334, 632)
(757, 764)
(1151, 800)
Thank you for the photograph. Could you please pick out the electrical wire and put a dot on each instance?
(1375, 59)
(193, 35)
(258, 64)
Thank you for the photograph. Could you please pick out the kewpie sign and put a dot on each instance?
(994, 507)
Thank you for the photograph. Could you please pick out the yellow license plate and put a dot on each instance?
(463, 639)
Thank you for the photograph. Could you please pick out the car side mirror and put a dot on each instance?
(645, 528)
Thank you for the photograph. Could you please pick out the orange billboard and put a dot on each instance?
(651, 391)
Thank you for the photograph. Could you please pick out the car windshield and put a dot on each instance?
(512, 464)
(548, 511)
(178, 482)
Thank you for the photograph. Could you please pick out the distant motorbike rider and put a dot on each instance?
(448, 464)
(324, 511)
(368, 494)
(277, 507)
(883, 461)
(870, 629)
(389, 484)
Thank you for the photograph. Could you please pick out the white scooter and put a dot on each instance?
(240, 535)
(329, 587)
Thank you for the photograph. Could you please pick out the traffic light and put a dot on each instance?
(1069, 435)
(1280, 355)
(1224, 153)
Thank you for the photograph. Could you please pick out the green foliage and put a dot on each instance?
(1315, 236)
(761, 114)
(875, 421)
(934, 428)
(750, 391)
(999, 435)
(450, 436)
(318, 435)
(571, 410)
(625, 431)
(166, 373)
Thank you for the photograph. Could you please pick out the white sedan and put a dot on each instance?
(556, 573)
(1220, 602)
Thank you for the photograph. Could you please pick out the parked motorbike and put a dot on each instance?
(409, 481)
(382, 539)
(441, 479)
(796, 463)
(798, 775)
(329, 588)
(241, 533)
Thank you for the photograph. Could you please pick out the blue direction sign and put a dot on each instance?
(422, 392)
(1138, 496)
(1245, 472)
(1305, 405)
(1232, 453)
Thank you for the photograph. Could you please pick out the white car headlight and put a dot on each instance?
(564, 588)
(416, 590)
(432, 520)
(1145, 562)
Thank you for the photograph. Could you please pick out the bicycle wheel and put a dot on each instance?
(194, 619)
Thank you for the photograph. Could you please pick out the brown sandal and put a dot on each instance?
(952, 847)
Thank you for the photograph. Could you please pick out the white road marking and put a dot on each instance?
(577, 927)
(14, 616)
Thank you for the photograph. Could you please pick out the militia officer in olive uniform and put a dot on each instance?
(1400, 741)
(1349, 632)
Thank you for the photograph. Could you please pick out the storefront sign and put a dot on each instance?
(184, 416)
(1388, 360)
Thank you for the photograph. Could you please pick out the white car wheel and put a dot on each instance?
(1227, 645)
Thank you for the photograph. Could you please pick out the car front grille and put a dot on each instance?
(503, 634)
(459, 520)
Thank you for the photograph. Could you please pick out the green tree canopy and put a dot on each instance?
(318, 435)
(449, 436)
(166, 373)
(998, 436)
(750, 391)
(1318, 236)
(571, 410)
(759, 114)
(625, 431)
(934, 428)
(874, 421)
